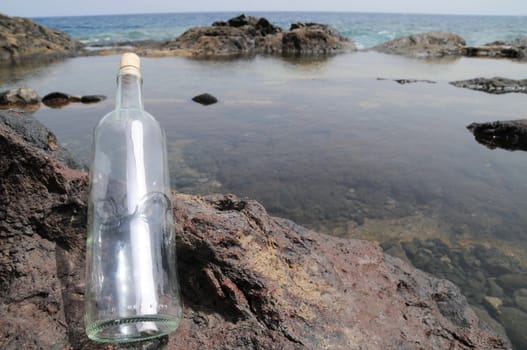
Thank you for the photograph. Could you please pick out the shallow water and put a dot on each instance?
(323, 142)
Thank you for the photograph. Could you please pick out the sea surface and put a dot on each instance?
(325, 142)
(366, 29)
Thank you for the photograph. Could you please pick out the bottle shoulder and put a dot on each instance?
(124, 116)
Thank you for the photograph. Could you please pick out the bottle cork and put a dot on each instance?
(130, 64)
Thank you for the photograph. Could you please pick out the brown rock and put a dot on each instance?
(19, 97)
(314, 38)
(249, 280)
(22, 40)
(246, 35)
(432, 44)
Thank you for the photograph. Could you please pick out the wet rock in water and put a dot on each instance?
(314, 38)
(432, 44)
(512, 282)
(515, 321)
(520, 299)
(409, 81)
(92, 98)
(510, 135)
(205, 99)
(493, 305)
(247, 35)
(23, 40)
(56, 99)
(19, 97)
(496, 85)
(248, 280)
(60, 99)
(515, 49)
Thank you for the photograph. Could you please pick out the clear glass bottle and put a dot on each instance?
(132, 290)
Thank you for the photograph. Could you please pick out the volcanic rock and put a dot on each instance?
(22, 40)
(510, 135)
(432, 44)
(248, 280)
(246, 35)
(496, 85)
(205, 99)
(19, 97)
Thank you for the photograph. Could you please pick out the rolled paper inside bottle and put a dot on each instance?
(130, 64)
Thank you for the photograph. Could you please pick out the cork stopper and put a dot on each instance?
(130, 64)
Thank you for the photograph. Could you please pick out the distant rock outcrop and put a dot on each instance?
(248, 280)
(23, 40)
(432, 44)
(246, 35)
(515, 49)
(496, 85)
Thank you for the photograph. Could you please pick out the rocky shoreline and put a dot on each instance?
(248, 280)
(25, 41)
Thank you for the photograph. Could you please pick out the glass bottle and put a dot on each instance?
(132, 290)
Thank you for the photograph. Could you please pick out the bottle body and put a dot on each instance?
(132, 290)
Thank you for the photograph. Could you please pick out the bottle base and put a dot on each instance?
(131, 329)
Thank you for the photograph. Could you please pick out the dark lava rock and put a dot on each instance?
(19, 97)
(248, 280)
(33, 132)
(432, 44)
(496, 85)
(515, 321)
(246, 35)
(409, 81)
(510, 135)
(205, 99)
(60, 99)
(56, 99)
(22, 40)
(92, 98)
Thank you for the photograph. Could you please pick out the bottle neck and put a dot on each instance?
(129, 94)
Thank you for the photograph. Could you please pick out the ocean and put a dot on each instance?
(324, 142)
(366, 29)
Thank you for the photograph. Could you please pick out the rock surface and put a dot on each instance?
(496, 85)
(431, 44)
(510, 135)
(249, 280)
(515, 49)
(205, 99)
(246, 35)
(22, 40)
(19, 97)
(61, 99)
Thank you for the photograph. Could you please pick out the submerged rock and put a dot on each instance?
(510, 135)
(248, 280)
(409, 81)
(431, 44)
(205, 99)
(496, 85)
(22, 40)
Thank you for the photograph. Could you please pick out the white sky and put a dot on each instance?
(43, 8)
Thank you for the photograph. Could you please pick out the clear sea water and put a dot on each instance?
(322, 141)
(366, 29)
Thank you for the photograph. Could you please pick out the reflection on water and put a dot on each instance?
(325, 143)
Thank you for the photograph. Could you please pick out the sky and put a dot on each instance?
(45, 8)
